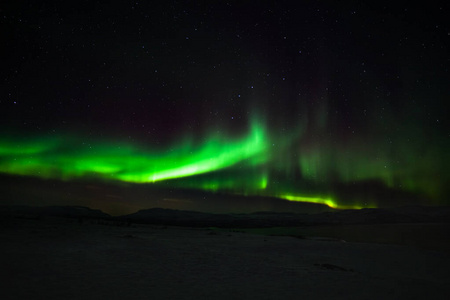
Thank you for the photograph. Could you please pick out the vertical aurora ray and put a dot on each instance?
(396, 167)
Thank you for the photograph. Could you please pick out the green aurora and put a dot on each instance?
(256, 164)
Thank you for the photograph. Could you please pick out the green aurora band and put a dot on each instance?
(67, 158)
(247, 165)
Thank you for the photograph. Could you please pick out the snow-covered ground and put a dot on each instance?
(55, 259)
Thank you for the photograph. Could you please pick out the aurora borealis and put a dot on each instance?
(336, 104)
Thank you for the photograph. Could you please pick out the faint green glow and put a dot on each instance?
(396, 167)
(225, 182)
(16, 146)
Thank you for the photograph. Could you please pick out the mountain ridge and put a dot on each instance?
(164, 216)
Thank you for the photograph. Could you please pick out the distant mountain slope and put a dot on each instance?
(270, 219)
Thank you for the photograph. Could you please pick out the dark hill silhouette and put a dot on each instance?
(52, 211)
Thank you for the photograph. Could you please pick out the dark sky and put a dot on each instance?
(334, 102)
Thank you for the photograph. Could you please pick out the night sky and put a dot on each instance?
(205, 104)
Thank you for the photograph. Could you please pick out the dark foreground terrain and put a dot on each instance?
(73, 258)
